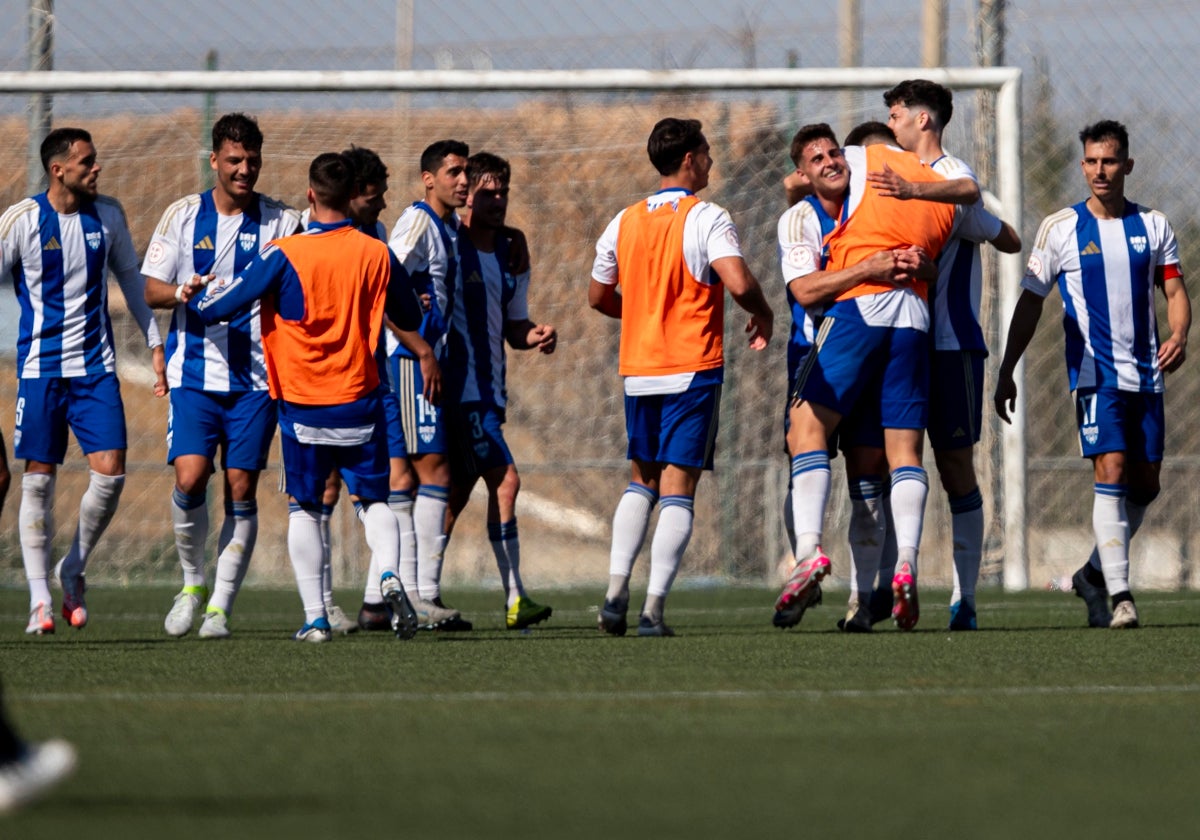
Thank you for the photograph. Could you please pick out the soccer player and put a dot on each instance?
(673, 255)
(217, 374)
(491, 307)
(58, 247)
(919, 111)
(1107, 254)
(424, 241)
(872, 335)
(324, 294)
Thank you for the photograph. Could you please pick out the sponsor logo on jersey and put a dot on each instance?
(1091, 433)
(474, 278)
(93, 239)
(205, 244)
(155, 254)
(1139, 243)
(1034, 267)
(53, 245)
(1091, 250)
(247, 240)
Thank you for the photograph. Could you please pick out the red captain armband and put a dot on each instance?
(1167, 272)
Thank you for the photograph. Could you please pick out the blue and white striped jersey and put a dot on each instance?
(427, 248)
(487, 297)
(801, 235)
(954, 305)
(1105, 270)
(193, 238)
(59, 264)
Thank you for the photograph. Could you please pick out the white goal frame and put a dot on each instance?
(1005, 81)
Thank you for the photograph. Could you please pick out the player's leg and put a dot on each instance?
(28, 770)
(904, 412)
(40, 439)
(866, 467)
(955, 417)
(97, 417)
(249, 423)
(631, 520)
(193, 435)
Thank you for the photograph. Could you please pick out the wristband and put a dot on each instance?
(179, 293)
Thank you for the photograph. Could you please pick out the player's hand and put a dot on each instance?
(759, 329)
(518, 250)
(796, 186)
(158, 361)
(190, 288)
(911, 264)
(889, 184)
(1005, 397)
(431, 373)
(544, 337)
(426, 301)
(1171, 354)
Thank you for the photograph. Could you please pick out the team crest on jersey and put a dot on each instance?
(93, 239)
(1090, 433)
(1139, 243)
(426, 433)
(247, 240)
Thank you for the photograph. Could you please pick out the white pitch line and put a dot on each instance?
(597, 696)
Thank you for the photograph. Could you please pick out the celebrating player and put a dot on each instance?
(491, 307)
(1106, 254)
(218, 377)
(324, 294)
(59, 246)
(673, 256)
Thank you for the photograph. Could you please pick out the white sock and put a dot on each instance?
(810, 495)
(866, 533)
(910, 486)
(1111, 526)
(400, 502)
(966, 526)
(1134, 513)
(671, 537)
(234, 558)
(304, 549)
(383, 536)
(506, 547)
(36, 524)
(96, 510)
(326, 555)
(630, 523)
(189, 514)
(429, 521)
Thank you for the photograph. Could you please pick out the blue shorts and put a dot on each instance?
(395, 431)
(241, 423)
(1120, 421)
(679, 429)
(955, 398)
(478, 444)
(363, 464)
(851, 355)
(89, 406)
(422, 423)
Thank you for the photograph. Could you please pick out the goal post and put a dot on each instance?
(687, 86)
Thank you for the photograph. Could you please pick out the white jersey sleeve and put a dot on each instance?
(604, 267)
(1050, 253)
(800, 242)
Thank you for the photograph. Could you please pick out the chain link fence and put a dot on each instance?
(577, 159)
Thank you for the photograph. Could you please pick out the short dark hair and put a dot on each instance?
(237, 128)
(1107, 130)
(331, 178)
(368, 167)
(807, 134)
(58, 143)
(913, 93)
(436, 153)
(484, 165)
(670, 141)
(871, 130)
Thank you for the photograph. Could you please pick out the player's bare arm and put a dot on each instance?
(1007, 241)
(888, 183)
(1173, 351)
(526, 335)
(796, 186)
(604, 298)
(431, 371)
(1021, 328)
(158, 361)
(825, 286)
(162, 295)
(747, 294)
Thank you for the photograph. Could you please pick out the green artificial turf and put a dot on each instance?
(1034, 726)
